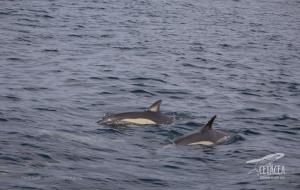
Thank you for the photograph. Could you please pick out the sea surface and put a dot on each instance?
(66, 64)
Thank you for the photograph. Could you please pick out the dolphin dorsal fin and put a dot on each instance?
(209, 124)
(155, 107)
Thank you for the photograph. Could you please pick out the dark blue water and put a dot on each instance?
(64, 64)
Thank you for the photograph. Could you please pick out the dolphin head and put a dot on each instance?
(108, 120)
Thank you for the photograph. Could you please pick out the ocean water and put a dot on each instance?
(65, 64)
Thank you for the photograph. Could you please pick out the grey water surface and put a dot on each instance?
(65, 64)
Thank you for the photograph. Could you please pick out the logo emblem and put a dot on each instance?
(265, 167)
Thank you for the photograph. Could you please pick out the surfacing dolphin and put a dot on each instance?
(149, 117)
(205, 136)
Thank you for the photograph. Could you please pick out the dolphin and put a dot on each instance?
(204, 136)
(149, 117)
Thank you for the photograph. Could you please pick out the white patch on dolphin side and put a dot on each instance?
(202, 143)
(141, 121)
